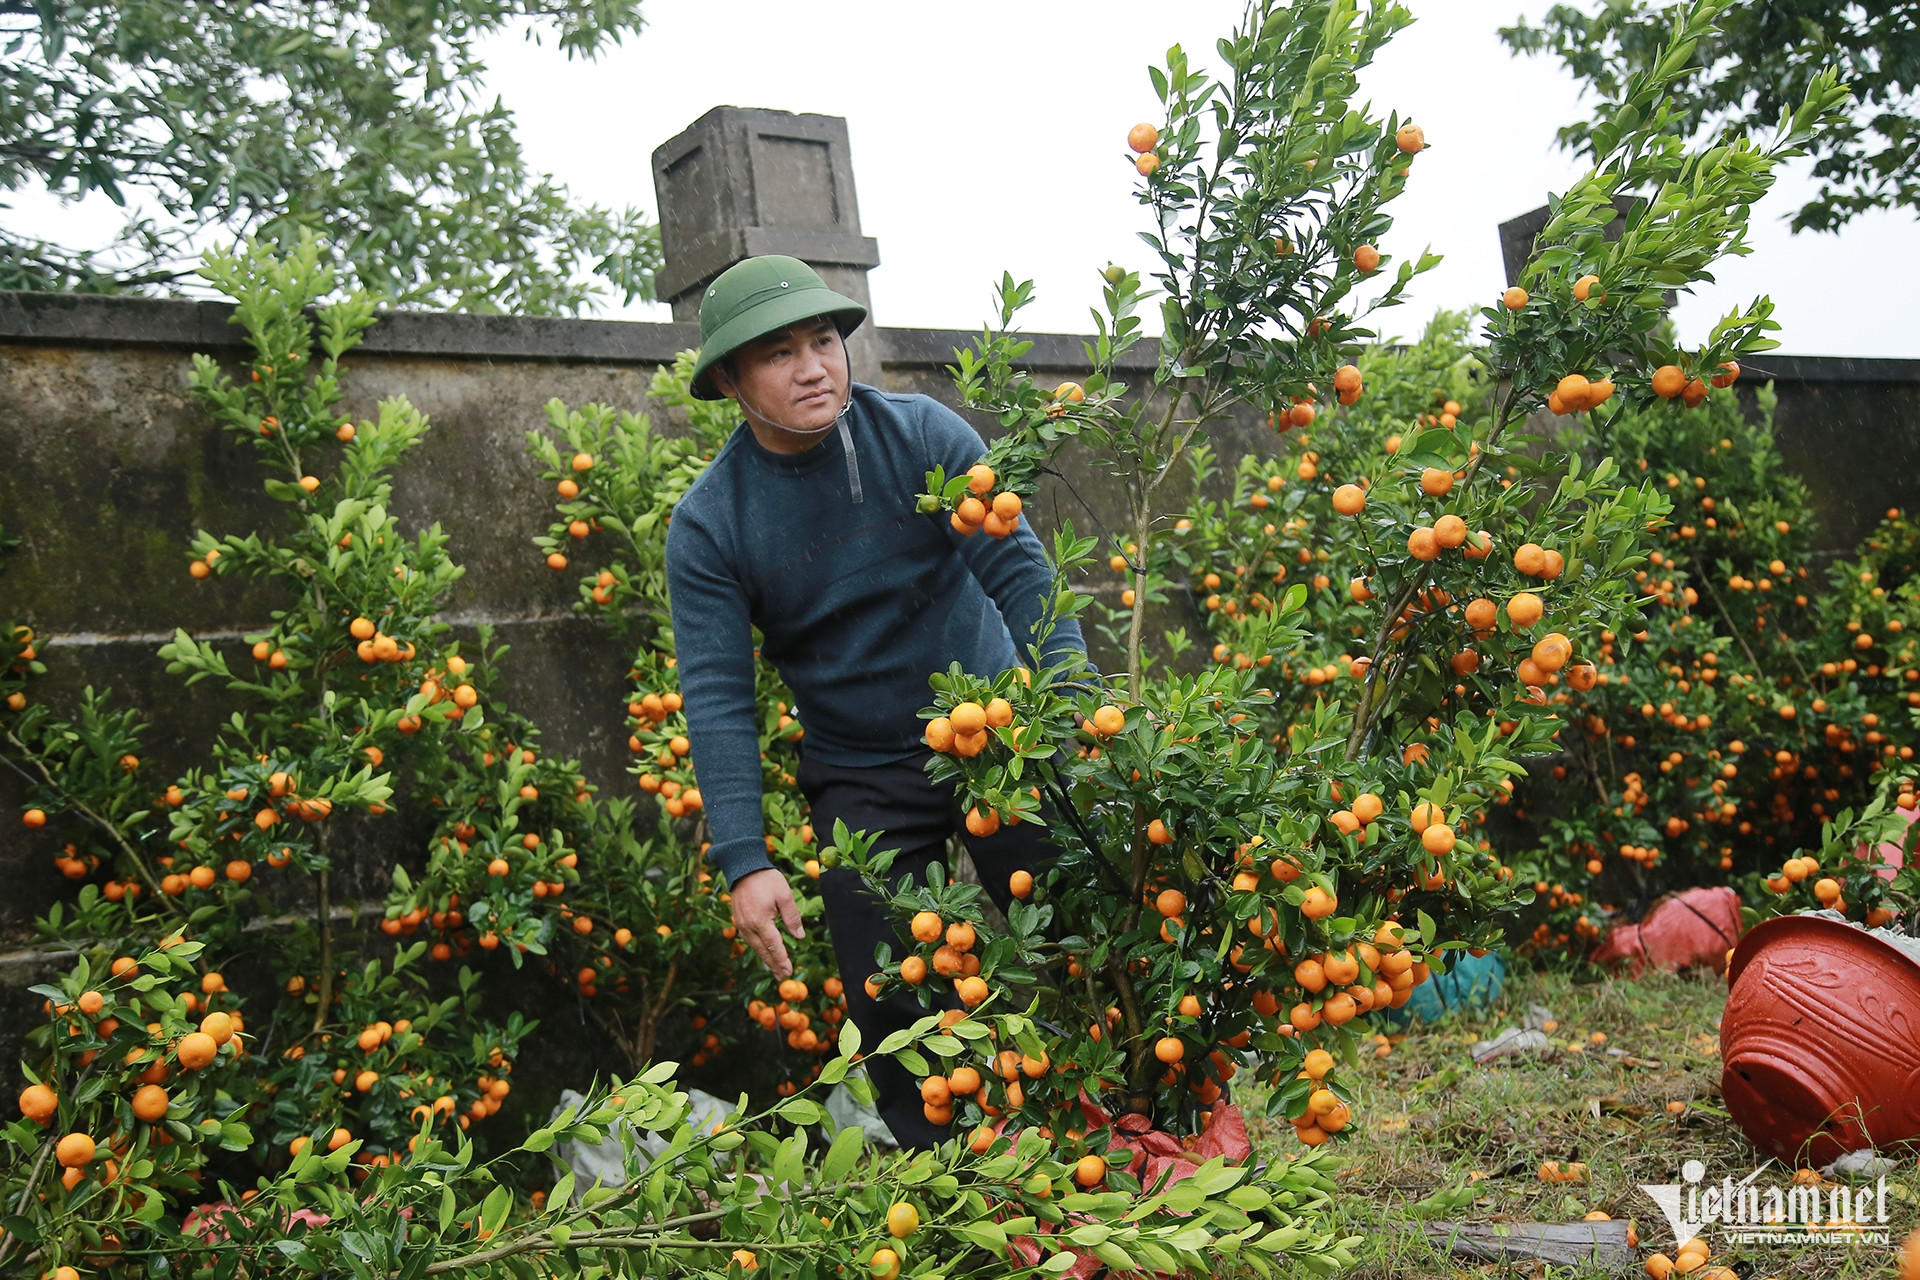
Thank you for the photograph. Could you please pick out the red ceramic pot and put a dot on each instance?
(1820, 1045)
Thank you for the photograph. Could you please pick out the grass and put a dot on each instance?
(1427, 1120)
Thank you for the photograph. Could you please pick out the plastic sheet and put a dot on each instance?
(604, 1163)
(1470, 982)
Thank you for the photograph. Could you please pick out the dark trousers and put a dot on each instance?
(898, 803)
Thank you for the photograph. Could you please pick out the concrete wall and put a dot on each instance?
(107, 469)
(1851, 430)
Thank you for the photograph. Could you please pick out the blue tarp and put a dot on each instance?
(1473, 982)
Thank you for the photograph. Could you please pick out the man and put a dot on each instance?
(806, 526)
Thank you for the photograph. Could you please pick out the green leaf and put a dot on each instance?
(493, 1210)
(847, 1147)
(984, 1234)
(799, 1110)
(1216, 1176)
(788, 1161)
(295, 1251)
(1250, 1198)
(1433, 447)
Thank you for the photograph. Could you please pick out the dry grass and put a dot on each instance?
(1426, 1119)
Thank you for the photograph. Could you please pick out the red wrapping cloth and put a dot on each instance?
(205, 1222)
(1149, 1154)
(1698, 926)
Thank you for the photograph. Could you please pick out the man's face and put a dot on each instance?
(796, 379)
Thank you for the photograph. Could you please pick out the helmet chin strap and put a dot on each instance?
(809, 432)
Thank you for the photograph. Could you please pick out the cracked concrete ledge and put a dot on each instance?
(61, 319)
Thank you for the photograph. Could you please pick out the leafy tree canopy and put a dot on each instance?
(1755, 67)
(364, 120)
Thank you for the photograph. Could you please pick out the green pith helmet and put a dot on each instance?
(759, 296)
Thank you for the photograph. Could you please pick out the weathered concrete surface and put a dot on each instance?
(741, 182)
(107, 469)
(1850, 429)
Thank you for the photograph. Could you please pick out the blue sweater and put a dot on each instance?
(857, 603)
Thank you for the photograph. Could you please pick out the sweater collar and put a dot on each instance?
(833, 446)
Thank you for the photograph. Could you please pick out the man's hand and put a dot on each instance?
(759, 900)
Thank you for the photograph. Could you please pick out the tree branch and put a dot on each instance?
(84, 810)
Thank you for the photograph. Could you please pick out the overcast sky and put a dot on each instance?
(991, 137)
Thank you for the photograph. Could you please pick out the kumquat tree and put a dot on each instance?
(162, 1133)
(1290, 858)
(1668, 782)
(166, 1127)
(153, 1075)
(1758, 729)
(1656, 699)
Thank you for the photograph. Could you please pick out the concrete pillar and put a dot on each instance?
(740, 182)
